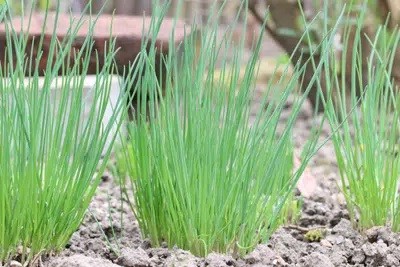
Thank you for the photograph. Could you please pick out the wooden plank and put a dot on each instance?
(127, 30)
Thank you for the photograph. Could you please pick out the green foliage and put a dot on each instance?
(205, 177)
(51, 142)
(125, 161)
(366, 145)
(315, 235)
(291, 211)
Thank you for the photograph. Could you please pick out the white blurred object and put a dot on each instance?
(88, 97)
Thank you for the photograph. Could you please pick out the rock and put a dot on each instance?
(133, 258)
(385, 234)
(326, 243)
(80, 261)
(15, 264)
(127, 31)
(316, 260)
(372, 234)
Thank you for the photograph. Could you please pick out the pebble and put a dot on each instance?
(133, 258)
(326, 243)
(15, 264)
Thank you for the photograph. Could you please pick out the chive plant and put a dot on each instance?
(367, 144)
(51, 140)
(204, 176)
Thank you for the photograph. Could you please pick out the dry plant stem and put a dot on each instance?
(304, 229)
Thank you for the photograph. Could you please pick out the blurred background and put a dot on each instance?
(287, 22)
(190, 8)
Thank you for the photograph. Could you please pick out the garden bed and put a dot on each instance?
(202, 178)
(203, 175)
(323, 236)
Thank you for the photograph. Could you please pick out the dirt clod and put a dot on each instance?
(181, 258)
(133, 258)
(358, 256)
(80, 261)
(316, 260)
(264, 256)
(219, 260)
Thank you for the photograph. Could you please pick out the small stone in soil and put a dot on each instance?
(133, 258)
(15, 264)
(372, 234)
(326, 243)
(377, 233)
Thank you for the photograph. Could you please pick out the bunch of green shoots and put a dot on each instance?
(367, 144)
(204, 176)
(51, 141)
